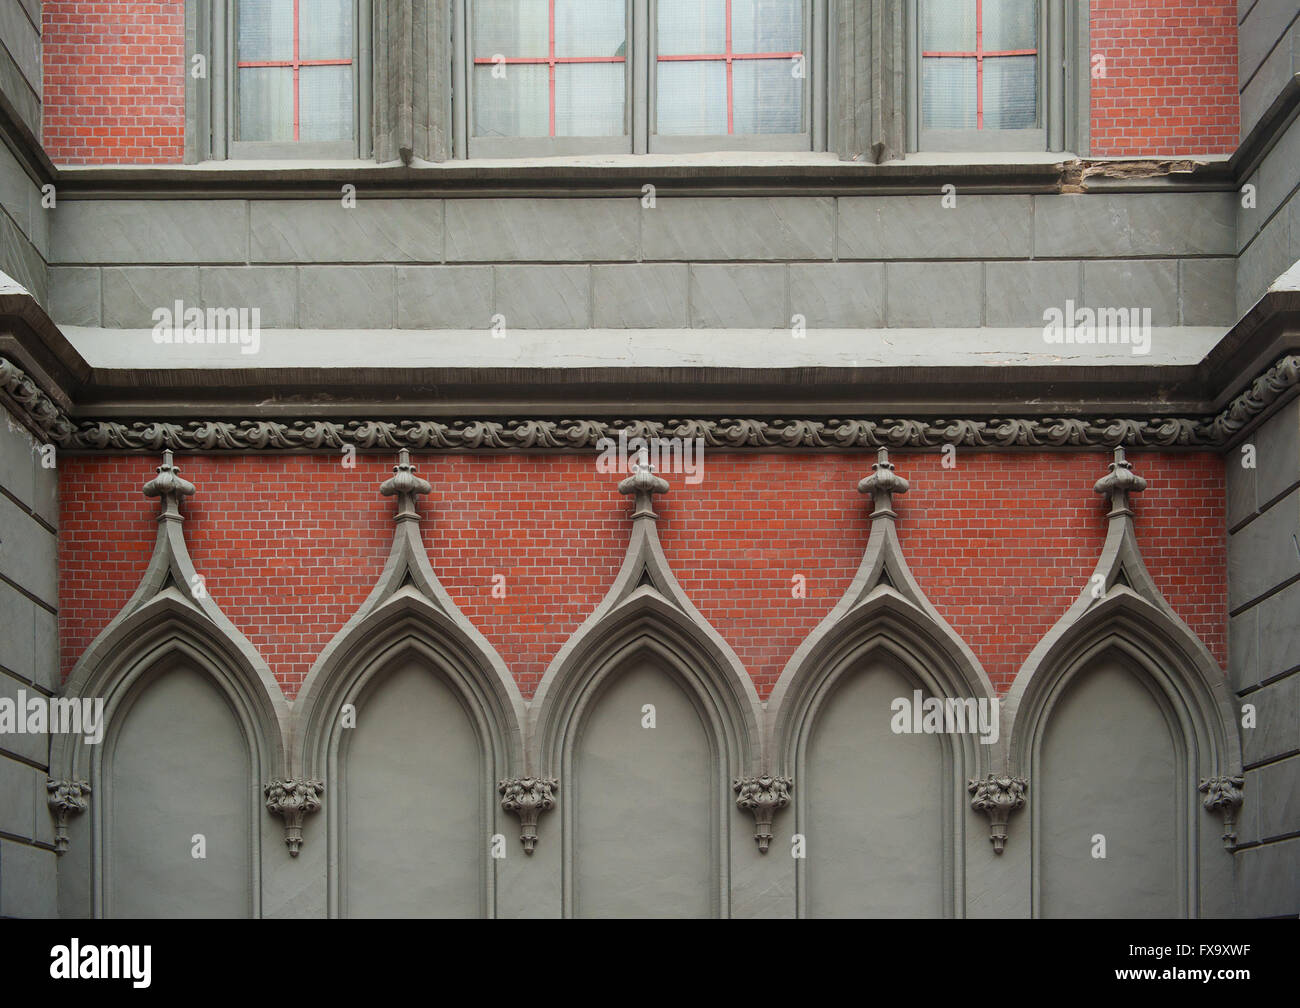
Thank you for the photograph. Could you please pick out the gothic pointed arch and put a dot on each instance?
(170, 633)
(646, 639)
(883, 644)
(407, 658)
(1122, 631)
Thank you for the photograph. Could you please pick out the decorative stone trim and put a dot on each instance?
(532, 434)
(998, 797)
(1224, 795)
(292, 800)
(67, 797)
(763, 796)
(528, 798)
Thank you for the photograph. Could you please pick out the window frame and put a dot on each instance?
(1058, 102)
(641, 63)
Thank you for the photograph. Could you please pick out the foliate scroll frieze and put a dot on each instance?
(763, 797)
(997, 797)
(292, 800)
(1224, 795)
(66, 798)
(528, 798)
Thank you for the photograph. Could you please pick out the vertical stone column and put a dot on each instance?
(412, 80)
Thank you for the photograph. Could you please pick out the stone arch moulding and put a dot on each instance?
(646, 613)
(1121, 614)
(169, 616)
(885, 612)
(407, 614)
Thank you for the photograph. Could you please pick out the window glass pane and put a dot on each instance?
(590, 28)
(691, 98)
(1010, 24)
(265, 30)
(948, 94)
(589, 99)
(517, 104)
(688, 27)
(325, 97)
(948, 25)
(760, 26)
(265, 103)
(325, 29)
(768, 97)
(1011, 92)
(509, 27)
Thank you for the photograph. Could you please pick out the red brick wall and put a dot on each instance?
(291, 545)
(114, 81)
(1170, 84)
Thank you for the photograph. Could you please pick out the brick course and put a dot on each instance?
(290, 545)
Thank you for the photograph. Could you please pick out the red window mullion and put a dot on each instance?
(978, 53)
(731, 99)
(550, 54)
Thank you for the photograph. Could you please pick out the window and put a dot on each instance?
(981, 79)
(625, 76)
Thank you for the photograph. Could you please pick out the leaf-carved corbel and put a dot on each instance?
(997, 796)
(292, 800)
(1224, 795)
(763, 796)
(528, 798)
(66, 798)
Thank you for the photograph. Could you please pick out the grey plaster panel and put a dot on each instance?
(1248, 816)
(1260, 31)
(1277, 176)
(19, 258)
(273, 290)
(444, 297)
(641, 295)
(1269, 880)
(1209, 291)
(1263, 554)
(749, 296)
(375, 230)
(541, 230)
(28, 553)
(934, 294)
(1099, 225)
(15, 191)
(1267, 258)
(1269, 80)
(738, 228)
(75, 295)
(343, 297)
(1134, 283)
(132, 294)
(1243, 649)
(35, 748)
(1277, 444)
(1279, 807)
(33, 8)
(150, 231)
(17, 631)
(544, 297)
(17, 799)
(14, 86)
(920, 227)
(1277, 727)
(1019, 293)
(18, 459)
(1241, 482)
(838, 295)
(1279, 631)
(23, 43)
(27, 881)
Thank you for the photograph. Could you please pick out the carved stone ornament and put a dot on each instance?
(405, 486)
(585, 434)
(67, 797)
(291, 800)
(998, 797)
(644, 484)
(882, 484)
(528, 798)
(763, 796)
(1224, 795)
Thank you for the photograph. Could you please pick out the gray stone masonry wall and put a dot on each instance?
(24, 225)
(1268, 235)
(1268, 54)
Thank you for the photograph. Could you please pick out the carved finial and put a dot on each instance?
(763, 796)
(998, 797)
(291, 800)
(1224, 795)
(645, 484)
(528, 798)
(882, 484)
(169, 485)
(67, 797)
(406, 486)
(1119, 483)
